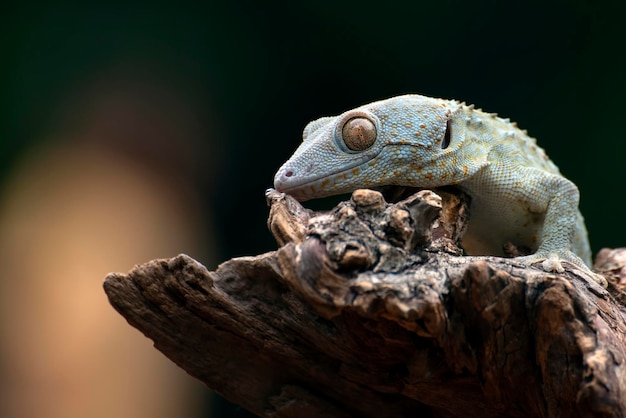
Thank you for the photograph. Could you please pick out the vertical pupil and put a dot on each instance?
(358, 133)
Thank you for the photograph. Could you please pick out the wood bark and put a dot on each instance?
(371, 310)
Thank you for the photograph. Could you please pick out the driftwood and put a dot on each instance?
(370, 310)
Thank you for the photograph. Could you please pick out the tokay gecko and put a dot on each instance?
(518, 195)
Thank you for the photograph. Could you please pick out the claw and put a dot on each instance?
(554, 262)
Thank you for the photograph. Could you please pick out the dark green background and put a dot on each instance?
(265, 69)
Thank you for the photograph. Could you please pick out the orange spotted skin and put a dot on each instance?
(518, 194)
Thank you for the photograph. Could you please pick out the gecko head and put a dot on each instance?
(389, 142)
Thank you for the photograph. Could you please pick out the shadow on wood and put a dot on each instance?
(370, 310)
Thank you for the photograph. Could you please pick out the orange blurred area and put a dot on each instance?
(113, 191)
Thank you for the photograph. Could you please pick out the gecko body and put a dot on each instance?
(518, 194)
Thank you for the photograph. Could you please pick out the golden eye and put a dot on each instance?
(358, 133)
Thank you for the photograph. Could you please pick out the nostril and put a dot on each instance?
(289, 173)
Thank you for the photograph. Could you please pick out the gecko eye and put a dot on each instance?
(446, 137)
(358, 133)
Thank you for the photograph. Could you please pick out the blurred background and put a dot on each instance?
(136, 130)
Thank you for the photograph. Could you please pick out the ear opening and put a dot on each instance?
(445, 143)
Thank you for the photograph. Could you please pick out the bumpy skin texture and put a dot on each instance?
(518, 194)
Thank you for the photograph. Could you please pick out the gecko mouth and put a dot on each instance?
(288, 181)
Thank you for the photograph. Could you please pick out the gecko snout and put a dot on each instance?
(288, 177)
(281, 180)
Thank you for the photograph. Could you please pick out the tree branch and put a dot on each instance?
(369, 310)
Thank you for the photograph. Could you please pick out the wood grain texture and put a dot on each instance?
(370, 310)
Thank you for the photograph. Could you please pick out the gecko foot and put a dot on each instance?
(555, 261)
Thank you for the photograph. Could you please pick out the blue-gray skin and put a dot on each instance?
(518, 194)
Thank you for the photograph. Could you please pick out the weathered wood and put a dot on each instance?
(369, 310)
